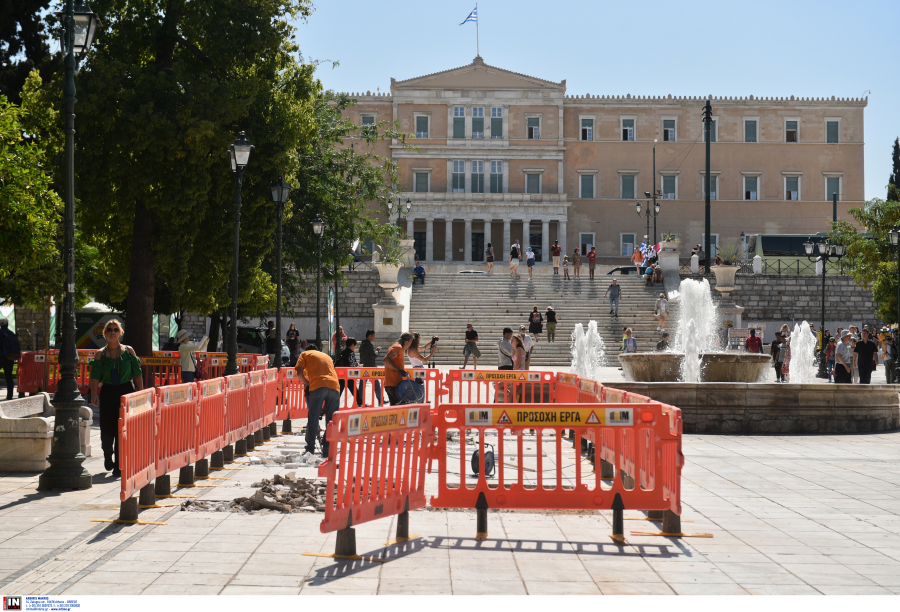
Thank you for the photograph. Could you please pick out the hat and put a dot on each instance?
(665, 334)
(846, 333)
(4, 322)
(521, 327)
(182, 335)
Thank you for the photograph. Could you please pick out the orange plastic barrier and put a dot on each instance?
(178, 425)
(137, 441)
(262, 363)
(376, 464)
(237, 405)
(211, 428)
(501, 386)
(161, 371)
(270, 408)
(643, 438)
(429, 378)
(257, 395)
(30, 372)
(292, 396)
(165, 353)
(211, 365)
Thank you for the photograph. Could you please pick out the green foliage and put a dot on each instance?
(670, 237)
(730, 252)
(23, 44)
(870, 258)
(893, 189)
(29, 209)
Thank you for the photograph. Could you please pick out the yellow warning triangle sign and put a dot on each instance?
(365, 423)
(592, 419)
(365, 373)
(521, 377)
(402, 420)
(504, 419)
(481, 377)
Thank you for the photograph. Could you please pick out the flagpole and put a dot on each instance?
(477, 42)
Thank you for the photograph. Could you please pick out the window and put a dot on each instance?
(713, 242)
(627, 186)
(668, 130)
(459, 121)
(533, 128)
(587, 241)
(750, 130)
(532, 183)
(713, 186)
(477, 177)
(421, 126)
(497, 122)
(668, 187)
(627, 242)
(459, 177)
(587, 185)
(477, 123)
(367, 119)
(712, 131)
(496, 177)
(792, 188)
(628, 130)
(832, 187)
(587, 129)
(421, 182)
(751, 187)
(790, 131)
(832, 128)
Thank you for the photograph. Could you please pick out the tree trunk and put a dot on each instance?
(213, 332)
(142, 284)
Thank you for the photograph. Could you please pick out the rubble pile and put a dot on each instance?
(284, 494)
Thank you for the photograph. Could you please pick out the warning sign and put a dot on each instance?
(573, 415)
(566, 379)
(377, 373)
(506, 375)
(140, 403)
(383, 420)
(236, 382)
(255, 377)
(160, 361)
(176, 395)
(212, 387)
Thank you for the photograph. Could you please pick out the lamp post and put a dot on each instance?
(66, 470)
(401, 210)
(649, 213)
(319, 231)
(281, 191)
(826, 252)
(239, 154)
(895, 242)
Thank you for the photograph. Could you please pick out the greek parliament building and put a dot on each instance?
(504, 156)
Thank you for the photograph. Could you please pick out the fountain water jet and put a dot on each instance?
(803, 356)
(588, 350)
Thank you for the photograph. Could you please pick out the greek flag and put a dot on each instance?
(473, 16)
(643, 248)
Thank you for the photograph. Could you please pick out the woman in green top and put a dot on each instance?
(115, 371)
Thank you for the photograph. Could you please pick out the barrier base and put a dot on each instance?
(607, 472)
(217, 461)
(186, 476)
(128, 514)
(619, 539)
(655, 515)
(273, 430)
(349, 557)
(228, 453)
(673, 535)
(240, 450)
(174, 496)
(404, 539)
(266, 433)
(201, 468)
(147, 497)
(250, 442)
(258, 437)
(345, 545)
(286, 426)
(481, 509)
(143, 507)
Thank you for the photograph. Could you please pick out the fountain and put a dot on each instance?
(588, 350)
(803, 356)
(697, 337)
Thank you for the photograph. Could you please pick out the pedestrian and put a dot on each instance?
(843, 354)
(471, 348)
(648, 274)
(552, 320)
(829, 357)
(865, 358)
(638, 258)
(520, 354)
(854, 369)
(535, 324)
(489, 255)
(316, 372)
(786, 366)
(368, 356)
(777, 351)
(890, 357)
(629, 344)
(186, 350)
(416, 360)
(576, 263)
(347, 359)
(529, 261)
(337, 348)
(10, 351)
(663, 344)
(555, 252)
(753, 344)
(292, 339)
(514, 260)
(118, 369)
(272, 341)
(395, 366)
(171, 345)
(528, 343)
(592, 262)
(419, 273)
(662, 311)
(785, 332)
(505, 350)
(565, 266)
(622, 344)
(614, 292)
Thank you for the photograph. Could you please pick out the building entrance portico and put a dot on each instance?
(458, 227)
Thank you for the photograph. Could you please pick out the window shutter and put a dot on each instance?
(368, 120)
(459, 127)
(712, 131)
(750, 131)
(627, 186)
(534, 121)
(669, 124)
(496, 183)
(422, 126)
(587, 186)
(832, 131)
(669, 186)
(478, 126)
(833, 187)
(496, 127)
(421, 182)
(533, 183)
(713, 186)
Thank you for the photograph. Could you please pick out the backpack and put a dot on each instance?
(12, 350)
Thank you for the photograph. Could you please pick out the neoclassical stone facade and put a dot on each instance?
(502, 156)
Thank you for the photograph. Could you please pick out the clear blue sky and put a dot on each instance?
(764, 48)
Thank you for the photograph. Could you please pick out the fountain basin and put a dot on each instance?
(716, 367)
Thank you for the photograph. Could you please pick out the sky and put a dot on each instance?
(764, 48)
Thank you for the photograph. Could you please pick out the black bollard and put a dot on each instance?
(147, 496)
(228, 453)
(286, 426)
(266, 433)
(671, 522)
(128, 511)
(217, 460)
(655, 515)
(481, 510)
(164, 485)
(273, 430)
(618, 509)
(584, 445)
(345, 544)
(258, 438)
(607, 471)
(186, 476)
(201, 468)
(403, 522)
(251, 442)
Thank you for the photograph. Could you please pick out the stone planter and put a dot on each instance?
(409, 252)
(387, 280)
(669, 246)
(725, 277)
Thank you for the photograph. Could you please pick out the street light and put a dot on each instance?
(648, 195)
(281, 191)
(239, 155)
(895, 242)
(66, 470)
(649, 213)
(826, 252)
(319, 231)
(399, 209)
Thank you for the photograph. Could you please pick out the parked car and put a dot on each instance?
(252, 340)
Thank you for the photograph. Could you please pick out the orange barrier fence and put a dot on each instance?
(211, 427)
(178, 425)
(237, 399)
(375, 468)
(30, 372)
(137, 441)
(161, 371)
(212, 365)
(262, 363)
(364, 379)
(270, 407)
(256, 401)
(292, 396)
(501, 386)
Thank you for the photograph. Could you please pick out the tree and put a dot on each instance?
(23, 45)
(163, 94)
(870, 258)
(894, 179)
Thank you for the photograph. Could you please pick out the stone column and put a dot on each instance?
(448, 240)
(507, 240)
(429, 240)
(410, 228)
(561, 233)
(545, 242)
(487, 235)
(467, 254)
